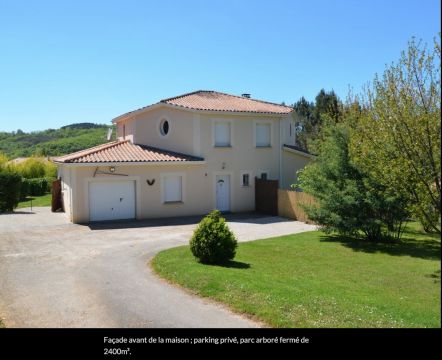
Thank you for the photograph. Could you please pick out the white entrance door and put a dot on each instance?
(223, 192)
(111, 200)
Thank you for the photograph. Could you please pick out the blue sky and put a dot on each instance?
(63, 61)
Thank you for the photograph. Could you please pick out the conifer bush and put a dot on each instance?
(212, 241)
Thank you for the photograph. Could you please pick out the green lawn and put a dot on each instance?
(43, 200)
(314, 280)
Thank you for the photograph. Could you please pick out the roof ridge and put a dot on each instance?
(183, 95)
(223, 93)
(257, 100)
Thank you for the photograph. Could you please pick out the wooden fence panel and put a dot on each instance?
(56, 203)
(266, 196)
(289, 204)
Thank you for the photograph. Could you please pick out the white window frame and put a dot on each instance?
(262, 122)
(242, 173)
(163, 188)
(220, 121)
(159, 122)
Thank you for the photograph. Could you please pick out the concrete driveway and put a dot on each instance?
(57, 274)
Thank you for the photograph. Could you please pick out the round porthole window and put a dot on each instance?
(164, 127)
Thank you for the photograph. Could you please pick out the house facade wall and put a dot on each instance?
(198, 190)
(191, 133)
(144, 128)
(291, 163)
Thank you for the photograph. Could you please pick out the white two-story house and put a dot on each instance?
(185, 155)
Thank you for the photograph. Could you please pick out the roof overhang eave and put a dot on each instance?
(307, 155)
(200, 111)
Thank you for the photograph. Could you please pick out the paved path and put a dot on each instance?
(57, 274)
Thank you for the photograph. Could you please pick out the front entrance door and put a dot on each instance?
(223, 192)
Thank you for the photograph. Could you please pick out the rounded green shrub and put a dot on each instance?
(10, 186)
(212, 241)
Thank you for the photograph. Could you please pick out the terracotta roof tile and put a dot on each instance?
(216, 101)
(124, 151)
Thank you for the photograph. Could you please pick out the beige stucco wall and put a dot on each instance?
(192, 133)
(291, 163)
(144, 129)
(126, 130)
(198, 190)
(242, 156)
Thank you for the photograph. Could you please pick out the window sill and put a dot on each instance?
(264, 147)
(222, 146)
(246, 186)
(172, 202)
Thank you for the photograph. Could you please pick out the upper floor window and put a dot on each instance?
(263, 135)
(222, 134)
(164, 127)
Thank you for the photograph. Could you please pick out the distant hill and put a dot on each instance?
(53, 142)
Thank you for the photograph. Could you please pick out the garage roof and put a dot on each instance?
(124, 151)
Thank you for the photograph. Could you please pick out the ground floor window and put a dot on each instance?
(245, 179)
(172, 188)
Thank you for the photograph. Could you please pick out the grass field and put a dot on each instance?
(314, 280)
(43, 200)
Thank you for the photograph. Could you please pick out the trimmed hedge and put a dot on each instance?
(10, 186)
(213, 242)
(35, 187)
(24, 191)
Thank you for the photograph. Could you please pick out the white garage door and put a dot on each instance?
(111, 200)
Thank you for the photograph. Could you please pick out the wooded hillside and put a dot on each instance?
(53, 142)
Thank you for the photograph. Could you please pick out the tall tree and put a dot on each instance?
(303, 117)
(397, 139)
(310, 117)
(327, 103)
(348, 200)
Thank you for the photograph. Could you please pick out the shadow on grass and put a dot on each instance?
(231, 264)
(435, 276)
(412, 232)
(423, 248)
